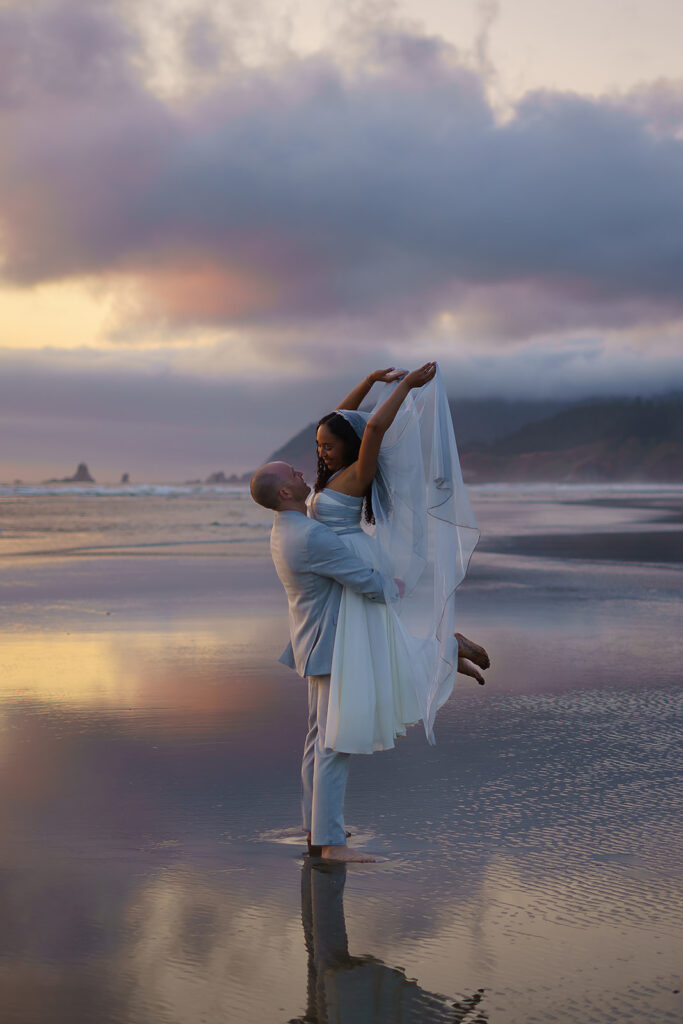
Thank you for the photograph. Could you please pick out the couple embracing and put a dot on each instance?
(370, 565)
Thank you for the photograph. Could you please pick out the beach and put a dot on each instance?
(152, 860)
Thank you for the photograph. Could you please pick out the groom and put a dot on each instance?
(313, 565)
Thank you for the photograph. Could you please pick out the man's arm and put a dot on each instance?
(329, 556)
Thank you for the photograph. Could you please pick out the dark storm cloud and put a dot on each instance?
(306, 192)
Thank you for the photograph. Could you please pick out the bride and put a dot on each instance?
(389, 484)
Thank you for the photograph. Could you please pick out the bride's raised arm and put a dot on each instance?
(355, 397)
(381, 420)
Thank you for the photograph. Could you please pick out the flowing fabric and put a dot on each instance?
(425, 534)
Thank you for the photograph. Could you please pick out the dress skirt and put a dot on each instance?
(377, 667)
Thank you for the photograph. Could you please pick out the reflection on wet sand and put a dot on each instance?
(135, 668)
(149, 843)
(346, 989)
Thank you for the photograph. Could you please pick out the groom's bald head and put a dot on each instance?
(278, 482)
(266, 483)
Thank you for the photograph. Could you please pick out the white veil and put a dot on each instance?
(426, 527)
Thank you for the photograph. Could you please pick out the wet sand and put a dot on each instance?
(615, 547)
(151, 860)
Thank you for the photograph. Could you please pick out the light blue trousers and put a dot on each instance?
(323, 773)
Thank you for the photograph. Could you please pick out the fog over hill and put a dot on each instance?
(606, 440)
(597, 441)
(475, 421)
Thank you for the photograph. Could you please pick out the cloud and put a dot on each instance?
(659, 104)
(487, 15)
(202, 44)
(156, 416)
(183, 414)
(65, 49)
(569, 371)
(311, 192)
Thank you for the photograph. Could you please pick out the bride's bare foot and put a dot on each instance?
(472, 651)
(466, 668)
(346, 854)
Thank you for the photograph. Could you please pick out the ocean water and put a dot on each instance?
(99, 521)
(151, 863)
(94, 520)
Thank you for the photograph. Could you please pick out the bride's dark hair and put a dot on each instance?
(341, 428)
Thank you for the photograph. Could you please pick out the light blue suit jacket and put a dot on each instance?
(313, 564)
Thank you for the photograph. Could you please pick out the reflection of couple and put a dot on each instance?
(361, 989)
(372, 610)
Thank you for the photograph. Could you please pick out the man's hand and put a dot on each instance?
(401, 586)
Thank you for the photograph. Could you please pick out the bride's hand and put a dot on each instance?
(387, 376)
(423, 375)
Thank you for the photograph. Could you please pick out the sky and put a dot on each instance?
(215, 217)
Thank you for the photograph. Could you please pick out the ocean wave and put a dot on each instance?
(120, 490)
(241, 491)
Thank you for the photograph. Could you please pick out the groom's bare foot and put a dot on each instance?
(466, 668)
(347, 855)
(472, 651)
(317, 851)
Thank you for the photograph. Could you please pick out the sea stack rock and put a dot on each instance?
(125, 478)
(217, 478)
(81, 476)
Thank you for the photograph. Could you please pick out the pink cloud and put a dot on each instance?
(308, 193)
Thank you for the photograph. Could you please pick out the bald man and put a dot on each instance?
(313, 565)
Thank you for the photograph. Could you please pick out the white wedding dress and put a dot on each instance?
(372, 694)
(394, 664)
